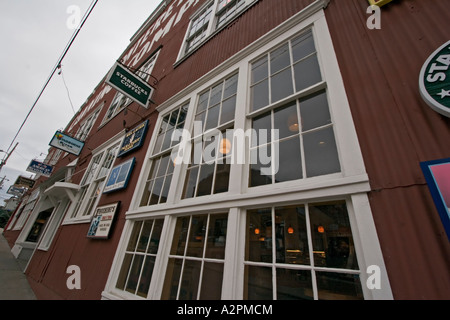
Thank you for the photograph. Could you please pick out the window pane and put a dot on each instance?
(258, 283)
(228, 108)
(281, 84)
(172, 279)
(279, 59)
(145, 234)
(303, 46)
(190, 280)
(205, 179)
(291, 235)
(262, 126)
(289, 160)
(135, 271)
(294, 285)
(156, 192)
(314, 111)
(203, 102)
(146, 276)
(307, 73)
(286, 120)
(180, 235)
(259, 70)
(259, 235)
(222, 177)
(146, 195)
(212, 281)
(191, 181)
(165, 190)
(230, 86)
(332, 236)
(213, 117)
(260, 166)
(321, 153)
(216, 94)
(217, 232)
(124, 271)
(197, 236)
(134, 236)
(339, 286)
(260, 95)
(156, 236)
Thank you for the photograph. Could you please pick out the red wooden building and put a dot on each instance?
(294, 171)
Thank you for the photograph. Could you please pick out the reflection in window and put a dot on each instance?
(291, 68)
(285, 245)
(159, 178)
(302, 144)
(196, 260)
(209, 169)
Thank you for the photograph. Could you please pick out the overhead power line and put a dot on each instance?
(61, 58)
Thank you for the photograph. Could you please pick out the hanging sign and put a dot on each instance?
(130, 85)
(16, 191)
(133, 139)
(66, 143)
(434, 81)
(437, 175)
(22, 182)
(40, 168)
(102, 221)
(119, 176)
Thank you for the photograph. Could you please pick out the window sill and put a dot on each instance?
(334, 185)
(77, 221)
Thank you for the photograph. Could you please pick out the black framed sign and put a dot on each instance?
(102, 221)
(134, 139)
(437, 175)
(119, 176)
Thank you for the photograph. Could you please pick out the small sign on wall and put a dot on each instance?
(133, 139)
(119, 176)
(102, 221)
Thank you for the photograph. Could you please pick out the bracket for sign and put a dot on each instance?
(379, 3)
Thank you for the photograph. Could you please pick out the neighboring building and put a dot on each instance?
(298, 174)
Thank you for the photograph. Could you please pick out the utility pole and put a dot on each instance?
(2, 181)
(3, 162)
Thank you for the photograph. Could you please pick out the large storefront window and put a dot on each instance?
(288, 247)
(196, 261)
(140, 256)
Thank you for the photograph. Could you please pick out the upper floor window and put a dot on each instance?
(86, 126)
(94, 181)
(211, 17)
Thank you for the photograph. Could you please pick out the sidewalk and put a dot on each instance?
(13, 282)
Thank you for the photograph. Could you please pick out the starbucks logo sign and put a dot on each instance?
(434, 80)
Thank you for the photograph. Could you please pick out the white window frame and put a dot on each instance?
(75, 212)
(351, 184)
(87, 125)
(53, 224)
(211, 28)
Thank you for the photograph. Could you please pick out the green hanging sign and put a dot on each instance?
(130, 85)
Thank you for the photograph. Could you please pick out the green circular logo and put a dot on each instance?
(434, 81)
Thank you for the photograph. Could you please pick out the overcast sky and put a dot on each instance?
(33, 34)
